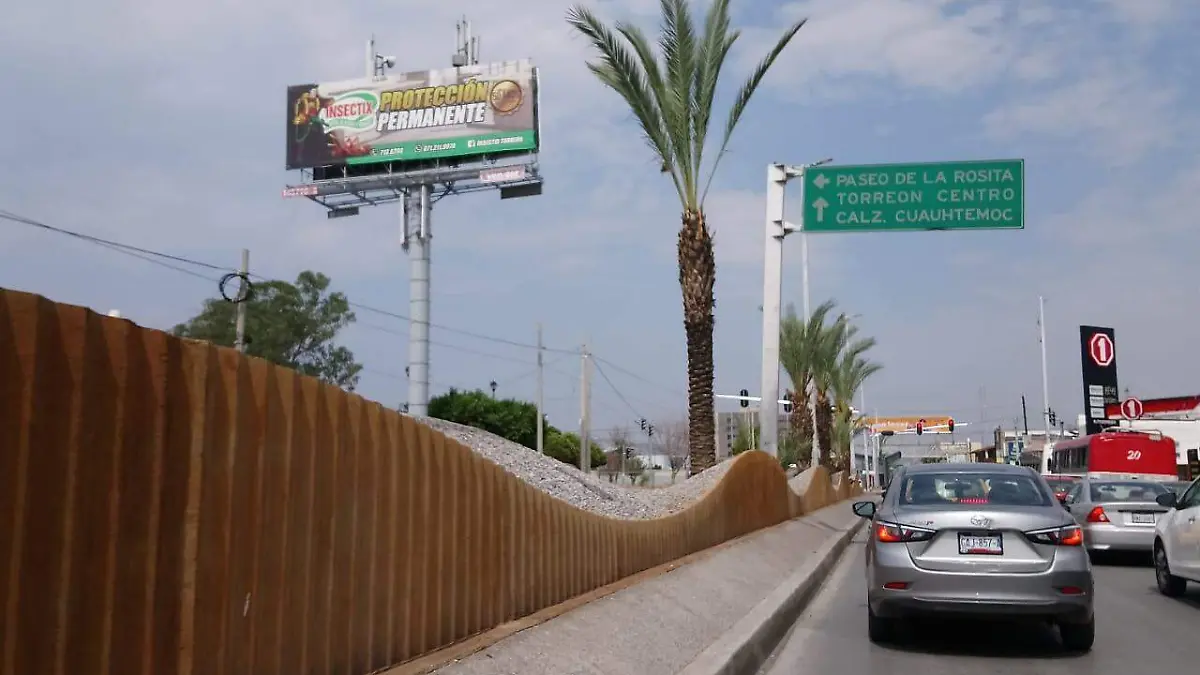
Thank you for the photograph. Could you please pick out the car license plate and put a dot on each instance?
(976, 544)
(1142, 518)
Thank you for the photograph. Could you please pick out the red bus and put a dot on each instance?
(1117, 454)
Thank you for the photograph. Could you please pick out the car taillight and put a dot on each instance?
(1070, 535)
(1097, 515)
(893, 533)
(972, 500)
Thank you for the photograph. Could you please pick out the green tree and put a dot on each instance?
(509, 419)
(564, 446)
(293, 325)
(801, 350)
(744, 440)
(851, 372)
(671, 93)
(824, 356)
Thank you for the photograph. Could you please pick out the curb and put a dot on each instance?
(745, 647)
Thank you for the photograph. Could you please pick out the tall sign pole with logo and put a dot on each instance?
(1098, 349)
(416, 138)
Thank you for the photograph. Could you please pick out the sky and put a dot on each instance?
(161, 125)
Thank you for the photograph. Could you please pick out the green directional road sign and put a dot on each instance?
(978, 195)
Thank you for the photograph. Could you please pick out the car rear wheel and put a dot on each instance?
(1168, 584)
(1078, 637)
(880, 629)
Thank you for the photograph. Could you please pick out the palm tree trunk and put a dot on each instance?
(697, 278)
(824, 418)
(802, 419)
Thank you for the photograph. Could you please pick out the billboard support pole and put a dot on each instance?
(417, 211)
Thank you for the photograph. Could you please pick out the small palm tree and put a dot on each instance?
(852, 371)
(671, 92)
(799, 348)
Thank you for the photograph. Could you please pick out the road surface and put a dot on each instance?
(1138, 631)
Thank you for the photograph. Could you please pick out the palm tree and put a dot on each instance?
(799, 347)
(671, 93)
(829, 345)
(851, 372)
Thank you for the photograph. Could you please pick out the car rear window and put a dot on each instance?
(1126, 491)
(971, 489)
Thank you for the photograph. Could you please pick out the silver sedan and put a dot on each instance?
(1116, 515)
(976, 539)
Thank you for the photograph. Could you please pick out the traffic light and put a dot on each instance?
(642, 423)
(920, 426)
(745, 394)
(650, 430)
(950, 425)
(1053, 417)
(787, 401)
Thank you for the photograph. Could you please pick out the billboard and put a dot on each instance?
(1098, 352)
(901, 425)
(431, 114)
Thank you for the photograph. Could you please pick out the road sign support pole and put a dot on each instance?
(776, 230)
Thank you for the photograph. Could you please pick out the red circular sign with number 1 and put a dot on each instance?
(1132, 409)
(1100, 348)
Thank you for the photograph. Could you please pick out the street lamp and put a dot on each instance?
(493, 385)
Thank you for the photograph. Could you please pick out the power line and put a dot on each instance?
(161, 259)
(639, 378)
(612, 386)
(141, 253)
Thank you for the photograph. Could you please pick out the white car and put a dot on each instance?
(1177, 541)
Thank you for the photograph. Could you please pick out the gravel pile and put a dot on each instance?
(585, 491)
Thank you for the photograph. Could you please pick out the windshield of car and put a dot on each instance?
(1179, 487)
(1126, 491)
(935, 489)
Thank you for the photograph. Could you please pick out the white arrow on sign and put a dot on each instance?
(821, 181)
(820, 205)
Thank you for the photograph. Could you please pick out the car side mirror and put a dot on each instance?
(864, 509)
(1167, 499)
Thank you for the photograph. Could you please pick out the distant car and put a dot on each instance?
(976, 539)
(1061, 484)
(1177, 541)
(1116, 515)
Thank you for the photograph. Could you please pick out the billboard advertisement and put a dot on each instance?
(901, 425)
(455, 112)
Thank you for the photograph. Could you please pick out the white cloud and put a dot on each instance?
(1095, 113)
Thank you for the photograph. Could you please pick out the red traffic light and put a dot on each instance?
(950, 424)
(920, 426)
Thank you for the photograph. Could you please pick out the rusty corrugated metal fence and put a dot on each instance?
(172, 508)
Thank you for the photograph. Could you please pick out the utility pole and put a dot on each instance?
(1045, 377)
(239, 342)
(540, 402)
(777, 228)
(585, 411)
(1024, 415)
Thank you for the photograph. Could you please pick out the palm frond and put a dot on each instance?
(620, 70)
(677, 40)
(746, 93)
(714, 48)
